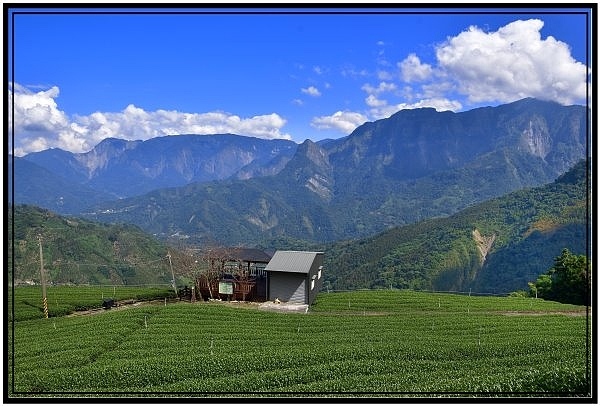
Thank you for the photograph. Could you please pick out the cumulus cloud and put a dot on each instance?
(37, 111)
(381, 88)
(311, 91)
(512, 63)
(373, 101)
(40, 124)
(411, 69)
(381, 108)
(345, 121)
(471, 68)
(440, 104)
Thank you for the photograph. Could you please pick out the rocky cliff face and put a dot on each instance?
(104, 154)
(310, 167)
(535, 138)
(164, 161)
(484, 244)
(321, 181)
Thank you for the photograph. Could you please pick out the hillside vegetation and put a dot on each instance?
(79, 251)
(496, 246)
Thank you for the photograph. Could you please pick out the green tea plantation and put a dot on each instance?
(388, 343)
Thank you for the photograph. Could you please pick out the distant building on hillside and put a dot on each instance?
(294, 276)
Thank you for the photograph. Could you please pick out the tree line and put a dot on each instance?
(568, 281)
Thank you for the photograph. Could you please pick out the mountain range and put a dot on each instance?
(414, 165)
(413, 169)
(235, 190)
(120, 168)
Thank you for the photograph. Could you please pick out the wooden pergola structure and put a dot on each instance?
(235, 274)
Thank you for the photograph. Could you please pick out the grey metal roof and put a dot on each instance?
(292, 261)
(237, 254)
(249, 255)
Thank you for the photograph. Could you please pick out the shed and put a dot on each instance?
(295, 276)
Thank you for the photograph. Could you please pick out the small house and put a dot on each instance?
(294, 276)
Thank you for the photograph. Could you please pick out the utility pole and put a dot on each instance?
(43, 278)
(172, 274)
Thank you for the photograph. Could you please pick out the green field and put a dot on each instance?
(362, 343)
(63, 300)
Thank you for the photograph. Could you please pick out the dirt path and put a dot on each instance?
(127, 304)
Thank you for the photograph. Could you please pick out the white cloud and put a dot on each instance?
(345, 121)
(503, 66)
(373, 101)
(40, 124)
(384, 75)
(37, 111)
(512, 63)
(411, 69)
(311, 91)
(381, 88)
(430, 97)
(351, 72)
(440, 104)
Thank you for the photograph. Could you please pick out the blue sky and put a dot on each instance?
(79, 78)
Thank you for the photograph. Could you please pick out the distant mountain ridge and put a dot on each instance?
(415, 143)
(417, 164)
(36, 185)
(414, 165)
(128, 168)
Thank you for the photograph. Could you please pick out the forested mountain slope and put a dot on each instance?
(495, 247)
(79, 251)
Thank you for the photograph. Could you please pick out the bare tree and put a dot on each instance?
(214, 261)
(204, 266)
(207, 266)
(183, 262)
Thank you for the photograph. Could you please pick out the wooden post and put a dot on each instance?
(43, 279)
(172, 274)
